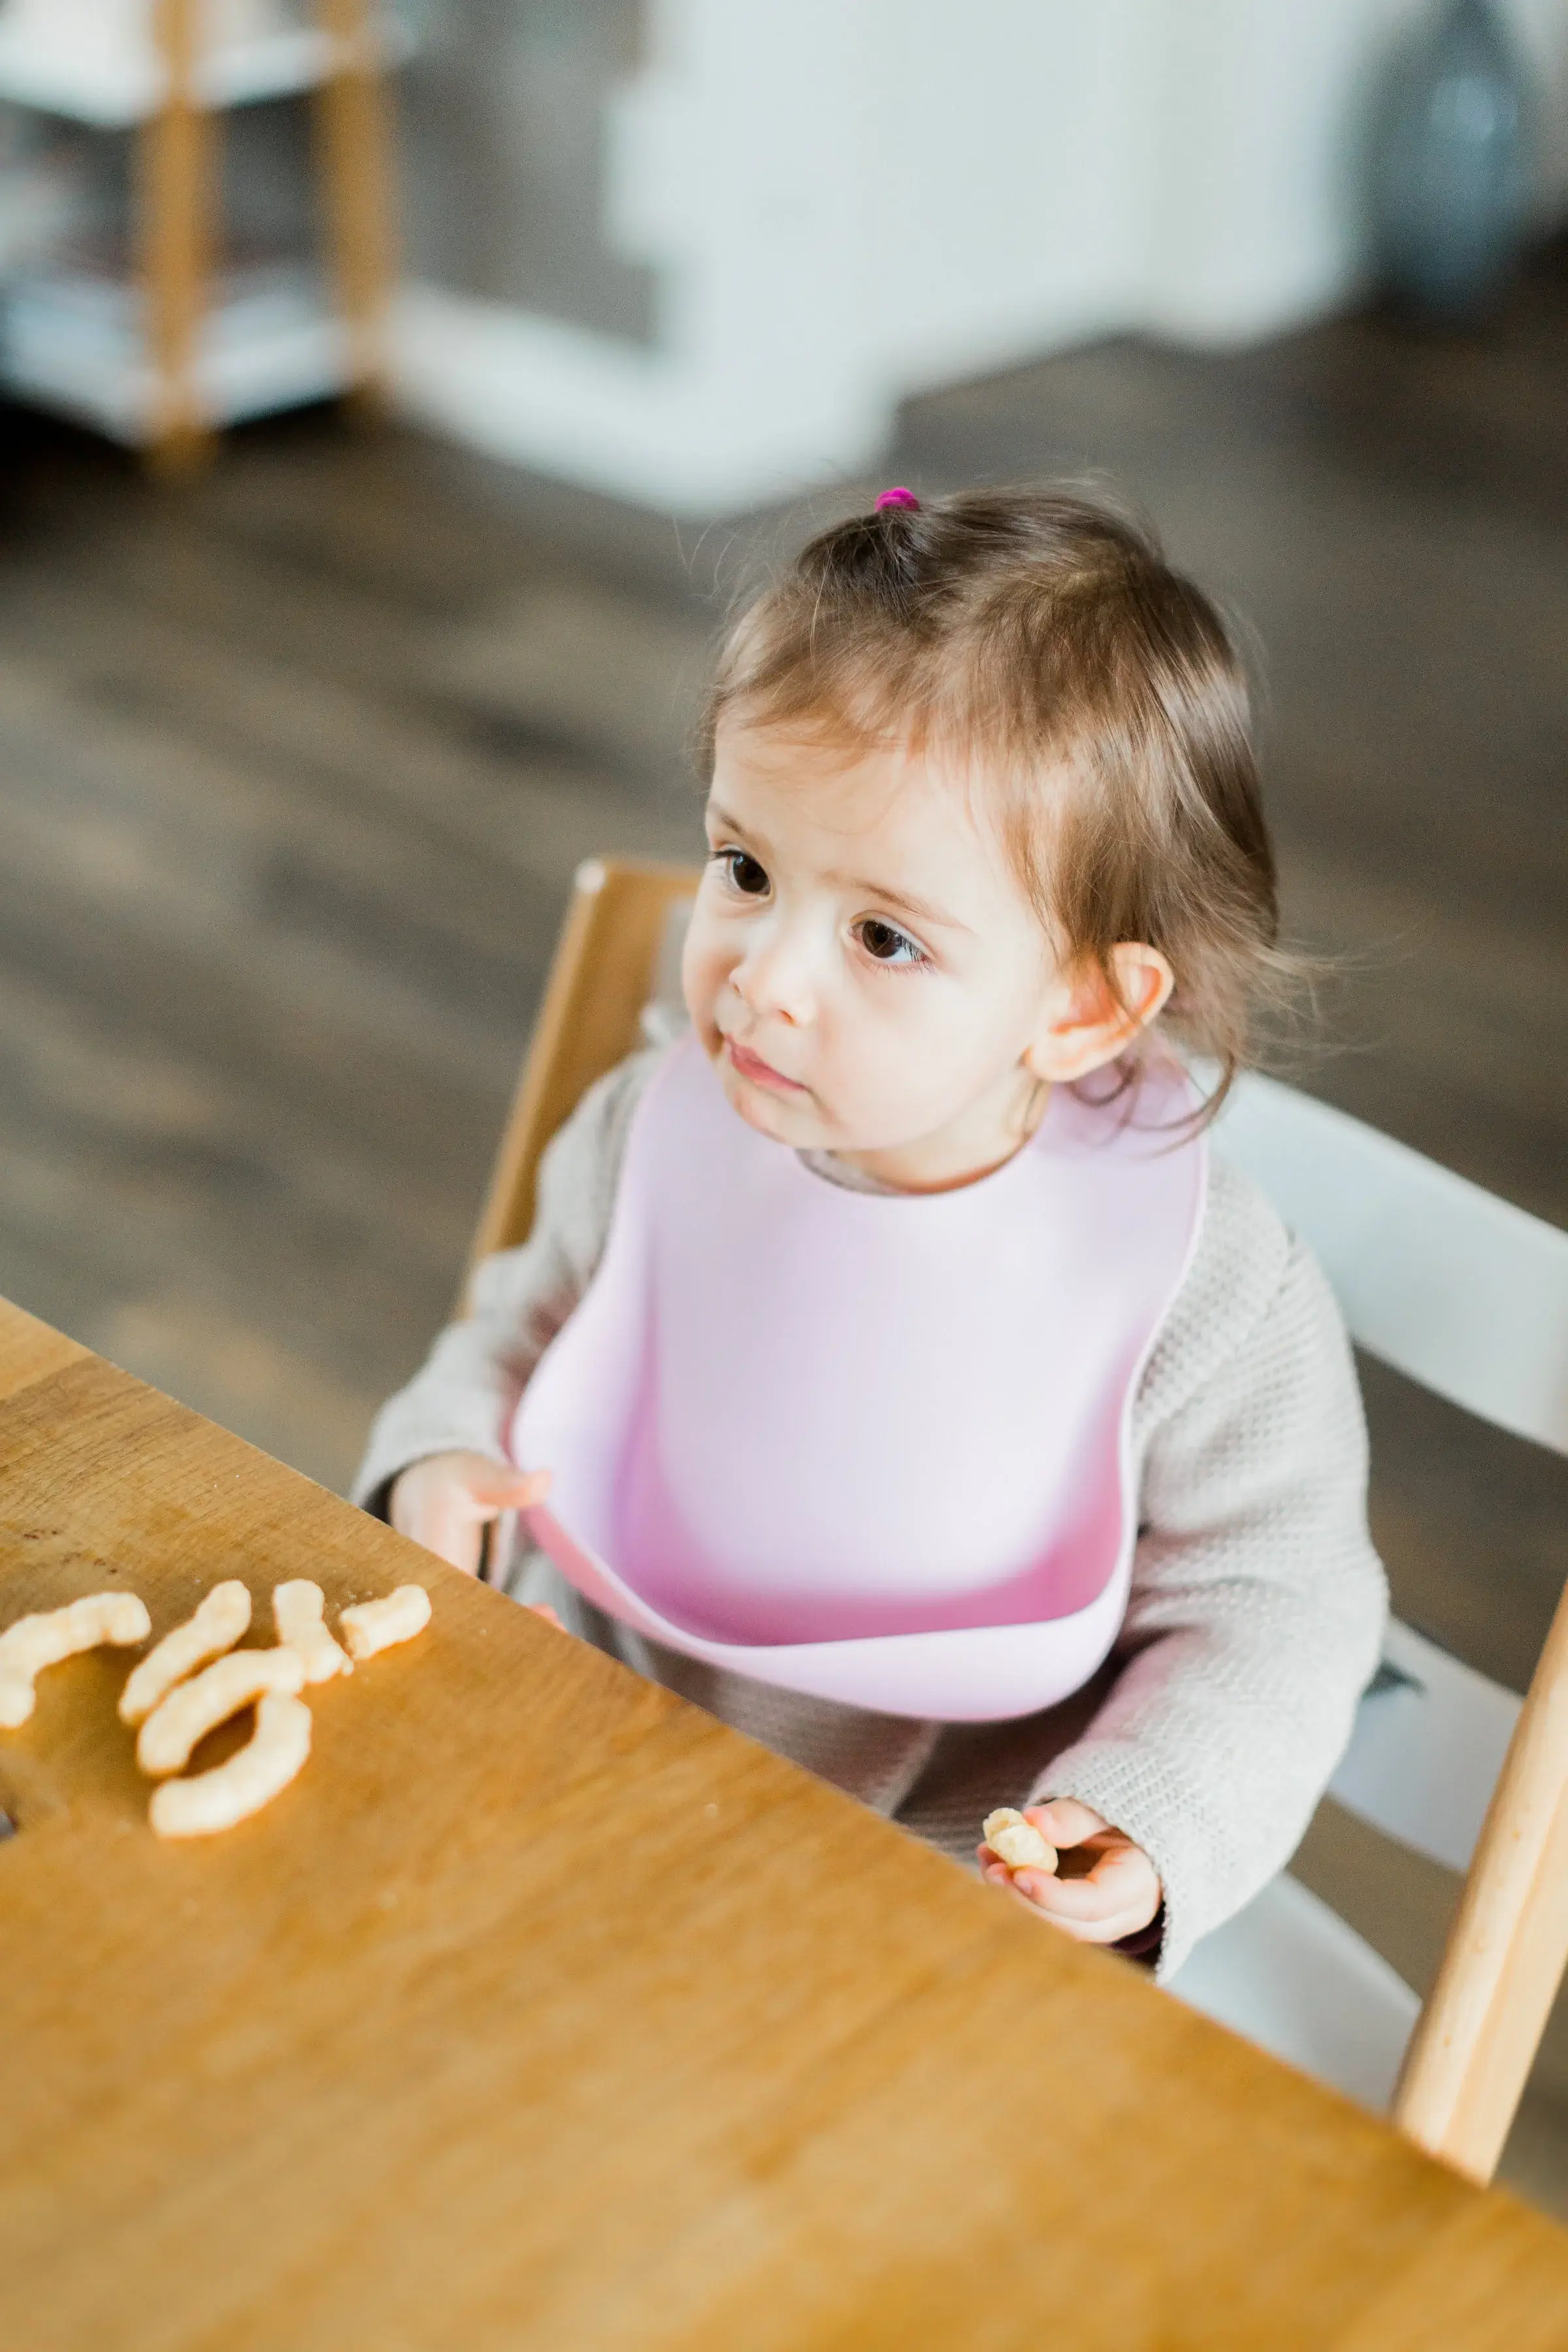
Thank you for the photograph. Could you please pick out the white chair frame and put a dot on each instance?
(1468, 1295)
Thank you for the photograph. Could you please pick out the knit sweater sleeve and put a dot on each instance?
(1258, 1602)
(463, 1396)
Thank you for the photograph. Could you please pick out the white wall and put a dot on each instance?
(846, 201)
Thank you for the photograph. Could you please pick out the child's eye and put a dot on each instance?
(743, 872)
(885, 944)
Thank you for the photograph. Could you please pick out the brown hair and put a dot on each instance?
(1044, 632)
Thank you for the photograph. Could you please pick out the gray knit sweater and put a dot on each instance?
(1257, 1605)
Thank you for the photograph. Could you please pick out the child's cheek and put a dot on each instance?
(701, 978)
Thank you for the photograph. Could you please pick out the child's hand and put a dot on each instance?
(1105, 1887)
(447, 1502)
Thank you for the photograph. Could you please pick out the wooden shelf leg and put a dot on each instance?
(177, 196)
(356, 173)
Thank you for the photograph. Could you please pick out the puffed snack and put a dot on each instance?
(210, 1801)
(118, 1619)
(215, 1627)
(1017, 1842)
(165, 1742)
(298, 1611)
(376, 1625)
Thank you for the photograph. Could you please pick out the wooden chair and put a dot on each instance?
(605, 972)
(1458, 1290)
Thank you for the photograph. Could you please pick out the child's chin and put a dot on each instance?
(783, 1120)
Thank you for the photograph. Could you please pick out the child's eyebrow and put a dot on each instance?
(919, 909)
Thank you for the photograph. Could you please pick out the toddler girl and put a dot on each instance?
(918, 1392)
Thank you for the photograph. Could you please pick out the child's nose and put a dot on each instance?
(777, 976)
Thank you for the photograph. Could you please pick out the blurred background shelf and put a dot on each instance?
(270, 340)
(140, 315)
(113, 89)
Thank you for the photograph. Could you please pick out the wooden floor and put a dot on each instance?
(297, 765)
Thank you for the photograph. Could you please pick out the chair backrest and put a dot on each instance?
(605, 969)
(1429, 1742)
(1468, 1295)
(1462, 1292)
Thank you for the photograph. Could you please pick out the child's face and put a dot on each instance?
(866, 971)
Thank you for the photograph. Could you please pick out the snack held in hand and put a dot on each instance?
(1017, 1842)
(231, 1792)
(198, 1707)
(118, 1619)
(298, 1611)
(377, 1625)
(215, 1627)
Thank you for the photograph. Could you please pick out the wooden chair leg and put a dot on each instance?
(176, 196)
(1471, 2052)
(357, 178)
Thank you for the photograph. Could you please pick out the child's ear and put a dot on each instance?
(1089, 1017)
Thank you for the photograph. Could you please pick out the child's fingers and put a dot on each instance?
(1121, 1876)
(1097, 1931)
(543, 1609)
(447, 1502)
(447, 1526)
(1123, 1887)
(458, 1511)
(495, 1489)
(1107, 1930)
(1064, 1821)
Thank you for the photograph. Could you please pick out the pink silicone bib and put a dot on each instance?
(871, 1448)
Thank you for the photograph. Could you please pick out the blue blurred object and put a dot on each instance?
(1451, 163)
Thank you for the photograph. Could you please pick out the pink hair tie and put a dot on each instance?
(898, 498)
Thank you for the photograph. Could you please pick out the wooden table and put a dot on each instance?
(542, 2012)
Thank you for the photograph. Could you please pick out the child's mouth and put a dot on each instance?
(751, 1066)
